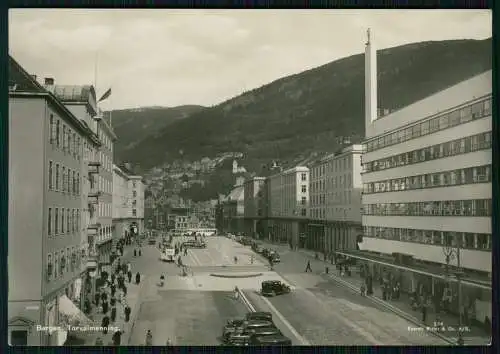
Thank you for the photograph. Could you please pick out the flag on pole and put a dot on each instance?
(106, 95)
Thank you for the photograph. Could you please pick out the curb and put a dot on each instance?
(254, 275)
(245, 301)
(393, 309)
(134, 313)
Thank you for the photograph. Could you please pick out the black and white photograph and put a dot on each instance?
(249, 177)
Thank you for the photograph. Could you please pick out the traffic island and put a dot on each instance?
(240, 275)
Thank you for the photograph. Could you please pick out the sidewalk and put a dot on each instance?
(133, 300)
(473, 335)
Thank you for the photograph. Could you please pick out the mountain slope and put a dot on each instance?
(134, 125)
(305, 112)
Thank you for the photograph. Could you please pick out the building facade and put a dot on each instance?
(427, 192)
(335, 206)
(288, 203)
(48, 244)
(128, 204)
(254, 206)
(233, 208)
(81, 101)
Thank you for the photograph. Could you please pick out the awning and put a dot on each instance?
(70, 314)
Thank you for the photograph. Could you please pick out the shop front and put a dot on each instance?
(316, 236)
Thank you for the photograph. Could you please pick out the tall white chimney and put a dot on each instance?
(370, 83)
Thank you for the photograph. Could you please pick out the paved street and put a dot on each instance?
(189, 310)
(325, 313)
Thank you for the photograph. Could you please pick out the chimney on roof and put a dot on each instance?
(49, 81)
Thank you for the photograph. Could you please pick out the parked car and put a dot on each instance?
(265, 252)
(274, 256)
(273, 288)
(239, 340)
(261, 315)
(232, 325)
(265, 331)
(246, 328)
(273, 340)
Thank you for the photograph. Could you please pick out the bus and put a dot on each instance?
(201, 232)
(168, 253)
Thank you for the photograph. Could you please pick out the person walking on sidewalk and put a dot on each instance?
(113, 277)
(149, 338)
(424, 311)
(113, 314)
(105, 307)
(140, 252)
(135, 252)
(185, 251)
(97, 297)
(138, 278)
(129, 276)
(113, 289)
(117, 337)
(105, 324)
(127, 311)
(308, 267)
(124, 290)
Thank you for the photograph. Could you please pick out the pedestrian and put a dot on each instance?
(149, 338)
(129, 267)
(140, 252)
(137, 278)
(117, 337)
(127, 311)
(105, 307)
(308, 267)
(135, 252)
(113, 289)
(97, 297)
(104, 296)
(113, 314)
(424, 312)
(124, 290)
(105, 324)
(113, 277)
(185, 252)
(129, 275)
(112, 301)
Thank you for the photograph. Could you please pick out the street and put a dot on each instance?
(188, 310)
(325, 313)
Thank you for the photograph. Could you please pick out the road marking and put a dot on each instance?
(301, 339)
(194, 258)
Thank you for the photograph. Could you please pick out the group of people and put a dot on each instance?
(114, 292)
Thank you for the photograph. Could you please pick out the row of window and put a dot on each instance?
(451, 148)
(343, 181)
(63, 261)
(63, 220)
(63, 137)
(299, 212)
(334, 165)
(106, 141)
(447, 120)
(334, 198)
(63, 179)
(473, 207)
(320, 213)
(467, 240)
(480, 174)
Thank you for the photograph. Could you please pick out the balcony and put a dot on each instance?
(93, 229)
(93, 197)
(93, 167)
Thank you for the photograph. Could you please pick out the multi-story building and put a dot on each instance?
(288, 201)
(233, 208)
(128, 203)
(82, 102)
(48, 244)
(335, 206)
(427, 192)
(254, 206)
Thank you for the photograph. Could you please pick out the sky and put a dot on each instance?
(175, 57)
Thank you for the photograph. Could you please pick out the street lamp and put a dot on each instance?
(451, 252)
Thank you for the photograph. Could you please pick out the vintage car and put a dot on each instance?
(274, 257)
(247, 328)
(273, 340)
(239, 340)
(264, 331)
(273, 288)
(232, 325)
(261, 315)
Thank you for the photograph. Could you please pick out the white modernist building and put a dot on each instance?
(427, 186)
(128, 203)
(288, 204)
(335, 207)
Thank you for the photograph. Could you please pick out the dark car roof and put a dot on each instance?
(271, 282)
(259, 314)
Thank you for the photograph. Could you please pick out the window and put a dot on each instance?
(68, 221)
(58, 133)
(134, 212)
(57, 177)
(64, 179)
(56, 221)
(303, 177)
(304, 188)
(70, 146)
(51, 172)
(19, 337)
(52, 131)
(63, 212)
(49, 223)
(64, 141)
(78, 183)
